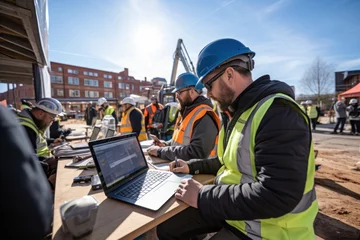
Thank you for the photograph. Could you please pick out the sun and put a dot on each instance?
(147, 38)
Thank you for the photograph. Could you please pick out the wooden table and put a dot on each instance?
(115, 219)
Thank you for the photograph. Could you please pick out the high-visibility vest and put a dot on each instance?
(126, 124)
(311, 112)
(172, 115)
(42, 149)
(150, 110)
(302, 108)
(184, 127)
(109, 110)
(239, 167)
(23, 106)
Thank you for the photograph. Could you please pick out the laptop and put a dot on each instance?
(94, 135)
(125, 175)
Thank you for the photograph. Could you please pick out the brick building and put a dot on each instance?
(346, 79)
(75, 86)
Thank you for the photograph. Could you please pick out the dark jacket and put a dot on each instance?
(203, 136)
(282, 146)
(26, 205)
(90, 113)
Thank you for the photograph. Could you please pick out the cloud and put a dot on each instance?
(349, 64)
(274, 7)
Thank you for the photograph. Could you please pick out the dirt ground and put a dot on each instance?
(337, 183)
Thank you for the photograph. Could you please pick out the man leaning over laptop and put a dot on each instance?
(197, 127)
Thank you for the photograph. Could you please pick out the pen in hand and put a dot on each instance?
(176, 162)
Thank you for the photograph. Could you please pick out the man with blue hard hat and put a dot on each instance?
(196, 128)
(264, 185)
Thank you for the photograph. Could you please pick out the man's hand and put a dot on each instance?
(160, 143)
(188, 192)
(153, 150)
(182, 167)
(57, 141)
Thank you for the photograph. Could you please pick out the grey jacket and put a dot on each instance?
(340, 109)
(202, 140)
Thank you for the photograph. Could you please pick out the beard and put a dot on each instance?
(226, 96)
(186, 101)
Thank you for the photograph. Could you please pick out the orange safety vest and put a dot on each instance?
(126, 124)
(184, 127)
(150, 110)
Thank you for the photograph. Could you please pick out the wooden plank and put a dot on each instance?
(15, 62)
(16, 79)
(14, 55)
(18, 50)
(12, 26)
(21, 42)
(11, 7)
(15, 70)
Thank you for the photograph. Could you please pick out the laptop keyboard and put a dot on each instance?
(144, 185)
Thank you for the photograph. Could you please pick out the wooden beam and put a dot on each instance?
(15, 79)
(15, 70)
(11, 7)
(9, 12)
(16, 41)
(4, 30)
(18, 50)
(35, 43)
(15, 55)
(12, 26)
(15, 62)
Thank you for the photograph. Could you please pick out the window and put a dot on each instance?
(70, 70)
(107, 84)
(59, 69)
(109, 76)
(105, 76)
(132, 87)
(96, 74)
(73, 80)
(108, 94)
(91, 94)
(60, 92)
(121, 85)
(76, 72)
(91, 74)
(127, 86)
(56, 79)
(74, 93)
(91, 82)
(86, 73)
(122, 95)
(119, 77)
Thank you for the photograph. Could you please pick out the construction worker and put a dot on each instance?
(107, 109)
(35, 122)
(196, 128)
(312, 113)
(90, 114)
(354, 116)
(132, 120)
(303, 106)
(25, 104)
(172, 114)
(264, 188)
(149, 113)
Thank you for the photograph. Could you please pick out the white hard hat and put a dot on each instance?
(302, 103)
(308, 102)
(101, 101)
(50, 105)
(129, 100)
(353, 100)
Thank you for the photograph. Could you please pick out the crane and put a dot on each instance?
(165, 93)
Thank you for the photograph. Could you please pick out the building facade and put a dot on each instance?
(75, 86)
(346, 79)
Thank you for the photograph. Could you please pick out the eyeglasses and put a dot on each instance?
(212, 80)
(181, 91)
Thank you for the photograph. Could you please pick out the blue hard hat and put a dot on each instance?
(185, 80)
(218, 52)
(10, 105)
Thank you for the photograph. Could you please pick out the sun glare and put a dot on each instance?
(147, 38)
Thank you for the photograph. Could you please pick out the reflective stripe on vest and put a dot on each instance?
(109, 110)
(184, 128)
(126, 124)
(42, 149)
(239, 167)
(311, 111)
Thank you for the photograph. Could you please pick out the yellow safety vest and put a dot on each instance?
(239, 167)
(302, 108)
(109, 110)
(42, 149)
(126, 124)
(311, 112)
(172, 114)
(184, 127)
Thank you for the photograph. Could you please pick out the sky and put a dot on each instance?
(287, 35)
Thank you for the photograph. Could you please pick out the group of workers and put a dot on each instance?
(261, 151)
(312, 111)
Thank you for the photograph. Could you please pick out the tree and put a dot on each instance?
(318, 78)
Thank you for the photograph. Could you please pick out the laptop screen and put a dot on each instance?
(95, 133)
(119, 159)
